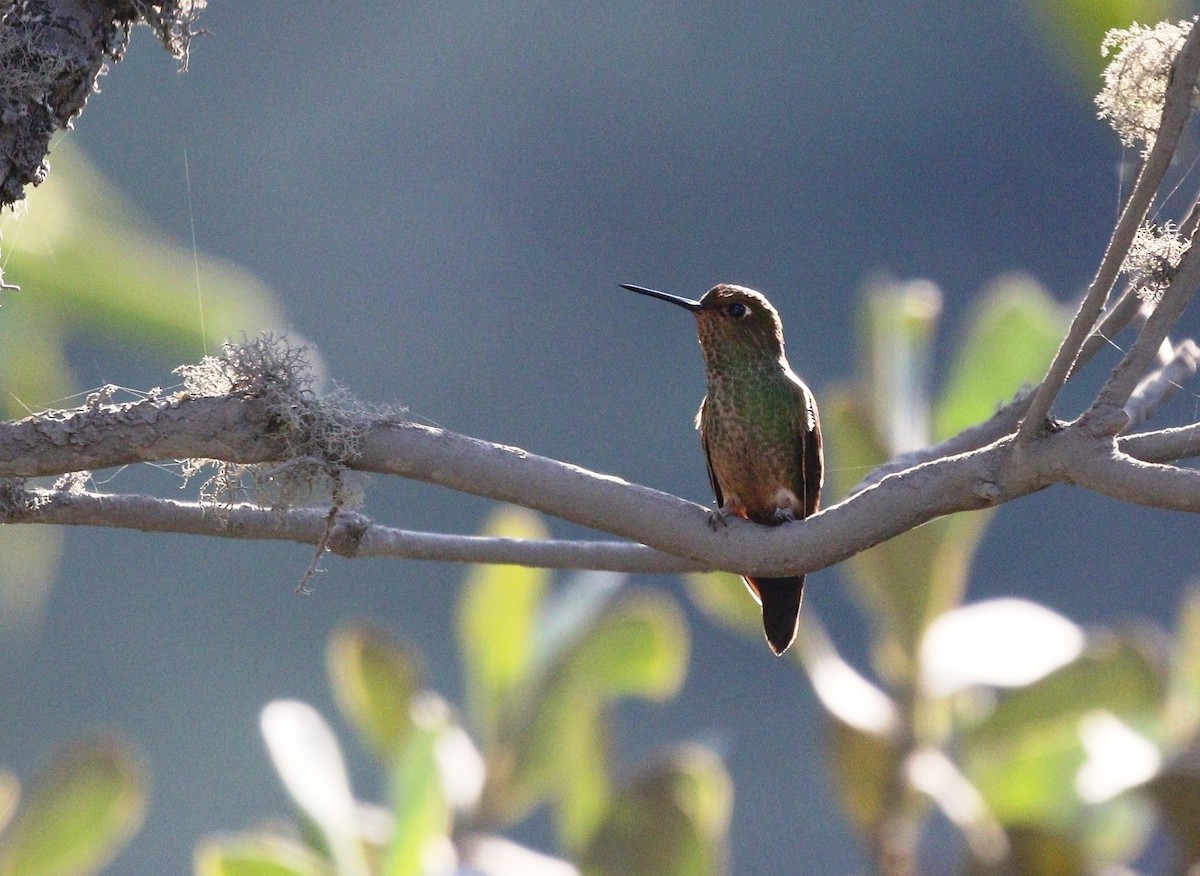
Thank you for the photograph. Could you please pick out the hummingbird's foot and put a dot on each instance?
(784, 515)
(718, 519)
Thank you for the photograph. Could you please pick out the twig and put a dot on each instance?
(1107, 414)
(1157, 387)
(1176, 107)
(348, 534)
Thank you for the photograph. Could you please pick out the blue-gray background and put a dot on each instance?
(444, 195)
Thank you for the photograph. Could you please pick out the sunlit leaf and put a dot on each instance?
(846, 694)
(1118, 757)
(257, 856)
(497, 624)
(78, 813)
(422, 815)
(309, 762)
(975, 645)
(1013, 335)
(491, 855)
(898, 322)
(672, 820)
(374, 680)
(931, 772)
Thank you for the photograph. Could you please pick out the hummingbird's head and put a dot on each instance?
(735, 324)
(732, 316)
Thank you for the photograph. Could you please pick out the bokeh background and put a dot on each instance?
(442, 198)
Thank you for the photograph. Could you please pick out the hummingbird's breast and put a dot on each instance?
(753, 431)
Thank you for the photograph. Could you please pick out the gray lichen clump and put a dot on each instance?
(320, 432)
(52, 53)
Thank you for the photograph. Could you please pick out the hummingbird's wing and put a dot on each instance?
(712, 475)
(812, 454)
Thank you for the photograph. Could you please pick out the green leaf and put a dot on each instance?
(497, 625)
(1014, 332)
(374, 680)
(78, 814)
(422, 815)
(673, 820)
(263, 855)
(638, 646)
(846, 695)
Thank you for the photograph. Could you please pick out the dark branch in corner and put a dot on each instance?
(52, 53)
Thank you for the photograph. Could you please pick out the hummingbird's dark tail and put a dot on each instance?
(780, 599)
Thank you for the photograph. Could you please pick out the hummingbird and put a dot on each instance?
(759, 429)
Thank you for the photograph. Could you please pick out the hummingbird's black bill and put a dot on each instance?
(685, 303)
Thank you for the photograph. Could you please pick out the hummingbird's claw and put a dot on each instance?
(718, 519)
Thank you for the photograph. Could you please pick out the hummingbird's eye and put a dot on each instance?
(737, 310)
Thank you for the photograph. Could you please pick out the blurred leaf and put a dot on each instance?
(374, 680)
(862, 766)
(497, 624)
(78, 813)
(86, 265)
(973, 645)
(932, 773)
(490, 855)
(1026, 756)
(1177, 796)
(422, 824)
(10, 793)
(1072, 30)
(906, 582)
(725, 599)
(672, 819)
(845, 694)
(309, 761)
(1035, 851)
(638, 646)
(257, 856)
(1182, 717)
(1120, 674)
(897, 325)
(1014, 332)
(31, 559)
